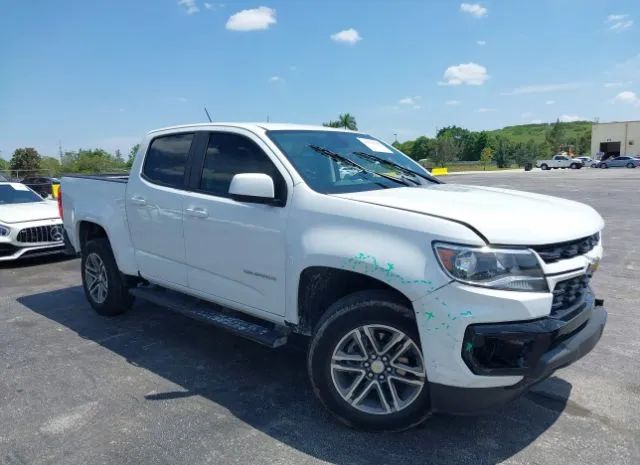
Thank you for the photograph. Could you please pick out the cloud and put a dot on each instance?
(543, 88)
(190, 6)
(256, 19)
(466, 73)
(618, 22)
(550, 102)
(615, 84)
(452, 102)
(481, 42)
(571, 118)
(275, 79)
(536, 121)
(474, 9)
(213, 6)
(485, 110)
(627, 97)
(348, 36)
(409, 100)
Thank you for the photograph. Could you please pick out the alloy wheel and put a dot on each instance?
(96, 278)
(378, 369)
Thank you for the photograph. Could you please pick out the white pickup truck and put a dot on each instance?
(417, 296)
(560, 161)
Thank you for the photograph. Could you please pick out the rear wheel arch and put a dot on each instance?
(319, 287)
(88, 230)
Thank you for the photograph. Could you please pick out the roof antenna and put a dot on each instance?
(205, 110)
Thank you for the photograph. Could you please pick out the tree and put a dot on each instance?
(132, 155)
(583, 144)
(50, 165)
(4, 164)
(445, 150)
(347, 121)
(421, 148)
(91, 161)
(555, 136)
(502, 151)
(486, 156)
(25, 159)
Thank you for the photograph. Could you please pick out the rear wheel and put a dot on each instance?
(366, 366)
(544, 166)
(574, 166)
(104, 286)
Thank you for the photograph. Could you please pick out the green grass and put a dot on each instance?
(473, 167)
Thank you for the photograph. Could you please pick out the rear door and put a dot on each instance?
(236, 250)
(154, 203)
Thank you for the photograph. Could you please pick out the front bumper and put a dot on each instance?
(558, 347)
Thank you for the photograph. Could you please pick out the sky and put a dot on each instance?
(88, 74)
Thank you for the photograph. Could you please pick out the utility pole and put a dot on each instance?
(395, 134)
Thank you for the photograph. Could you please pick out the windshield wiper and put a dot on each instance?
(397, 166)
(335, 156)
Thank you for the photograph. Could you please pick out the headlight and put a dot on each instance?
(4, 231)
(508, 269)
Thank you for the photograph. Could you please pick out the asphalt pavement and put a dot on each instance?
(152, 387)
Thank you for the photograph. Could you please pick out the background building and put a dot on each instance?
(617, 138)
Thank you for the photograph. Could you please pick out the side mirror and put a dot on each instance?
(252, 187)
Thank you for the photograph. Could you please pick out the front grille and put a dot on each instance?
(569, 296)
(553, 252)
(36, 234)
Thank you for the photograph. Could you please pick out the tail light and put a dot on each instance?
(60, 203)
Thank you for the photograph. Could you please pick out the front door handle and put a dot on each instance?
(138, 200)
(197, 212)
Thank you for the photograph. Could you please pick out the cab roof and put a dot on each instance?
(253, 127)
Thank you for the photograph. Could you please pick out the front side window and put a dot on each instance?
(17, 193)
(229, 154)
(331, 176)
(166, 160)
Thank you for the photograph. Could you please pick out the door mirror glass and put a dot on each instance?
(252, 187)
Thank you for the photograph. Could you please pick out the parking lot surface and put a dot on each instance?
(152, 387)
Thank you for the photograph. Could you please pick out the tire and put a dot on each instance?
(110, 296)
(631, 165)
(593, 165)
(380, 313)
(574, 166)
(604, 166)
(544, 167)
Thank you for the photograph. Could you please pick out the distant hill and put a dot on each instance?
(526, 132)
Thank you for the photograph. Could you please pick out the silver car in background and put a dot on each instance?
(620, 162)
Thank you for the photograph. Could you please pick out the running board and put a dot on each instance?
(212, 314)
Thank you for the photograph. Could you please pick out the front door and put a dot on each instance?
(236, 251)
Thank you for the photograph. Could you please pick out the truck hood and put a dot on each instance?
(33, 211)
(502, 216)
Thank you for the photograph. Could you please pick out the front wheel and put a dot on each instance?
(366, 366)
(104, 286)
(603, 166)
(631, 165)
(575, 166)
(544, 167)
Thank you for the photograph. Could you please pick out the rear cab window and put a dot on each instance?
(166, 160)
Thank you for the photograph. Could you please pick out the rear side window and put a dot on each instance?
(230, 154)
(166, 160)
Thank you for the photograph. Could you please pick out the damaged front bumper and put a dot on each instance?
(531, 349)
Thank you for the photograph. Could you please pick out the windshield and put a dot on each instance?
(17, 193)
(330, 175)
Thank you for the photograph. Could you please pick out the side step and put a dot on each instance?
(212, 314)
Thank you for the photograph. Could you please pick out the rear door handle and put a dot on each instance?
(138, 200)
(197, 212)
